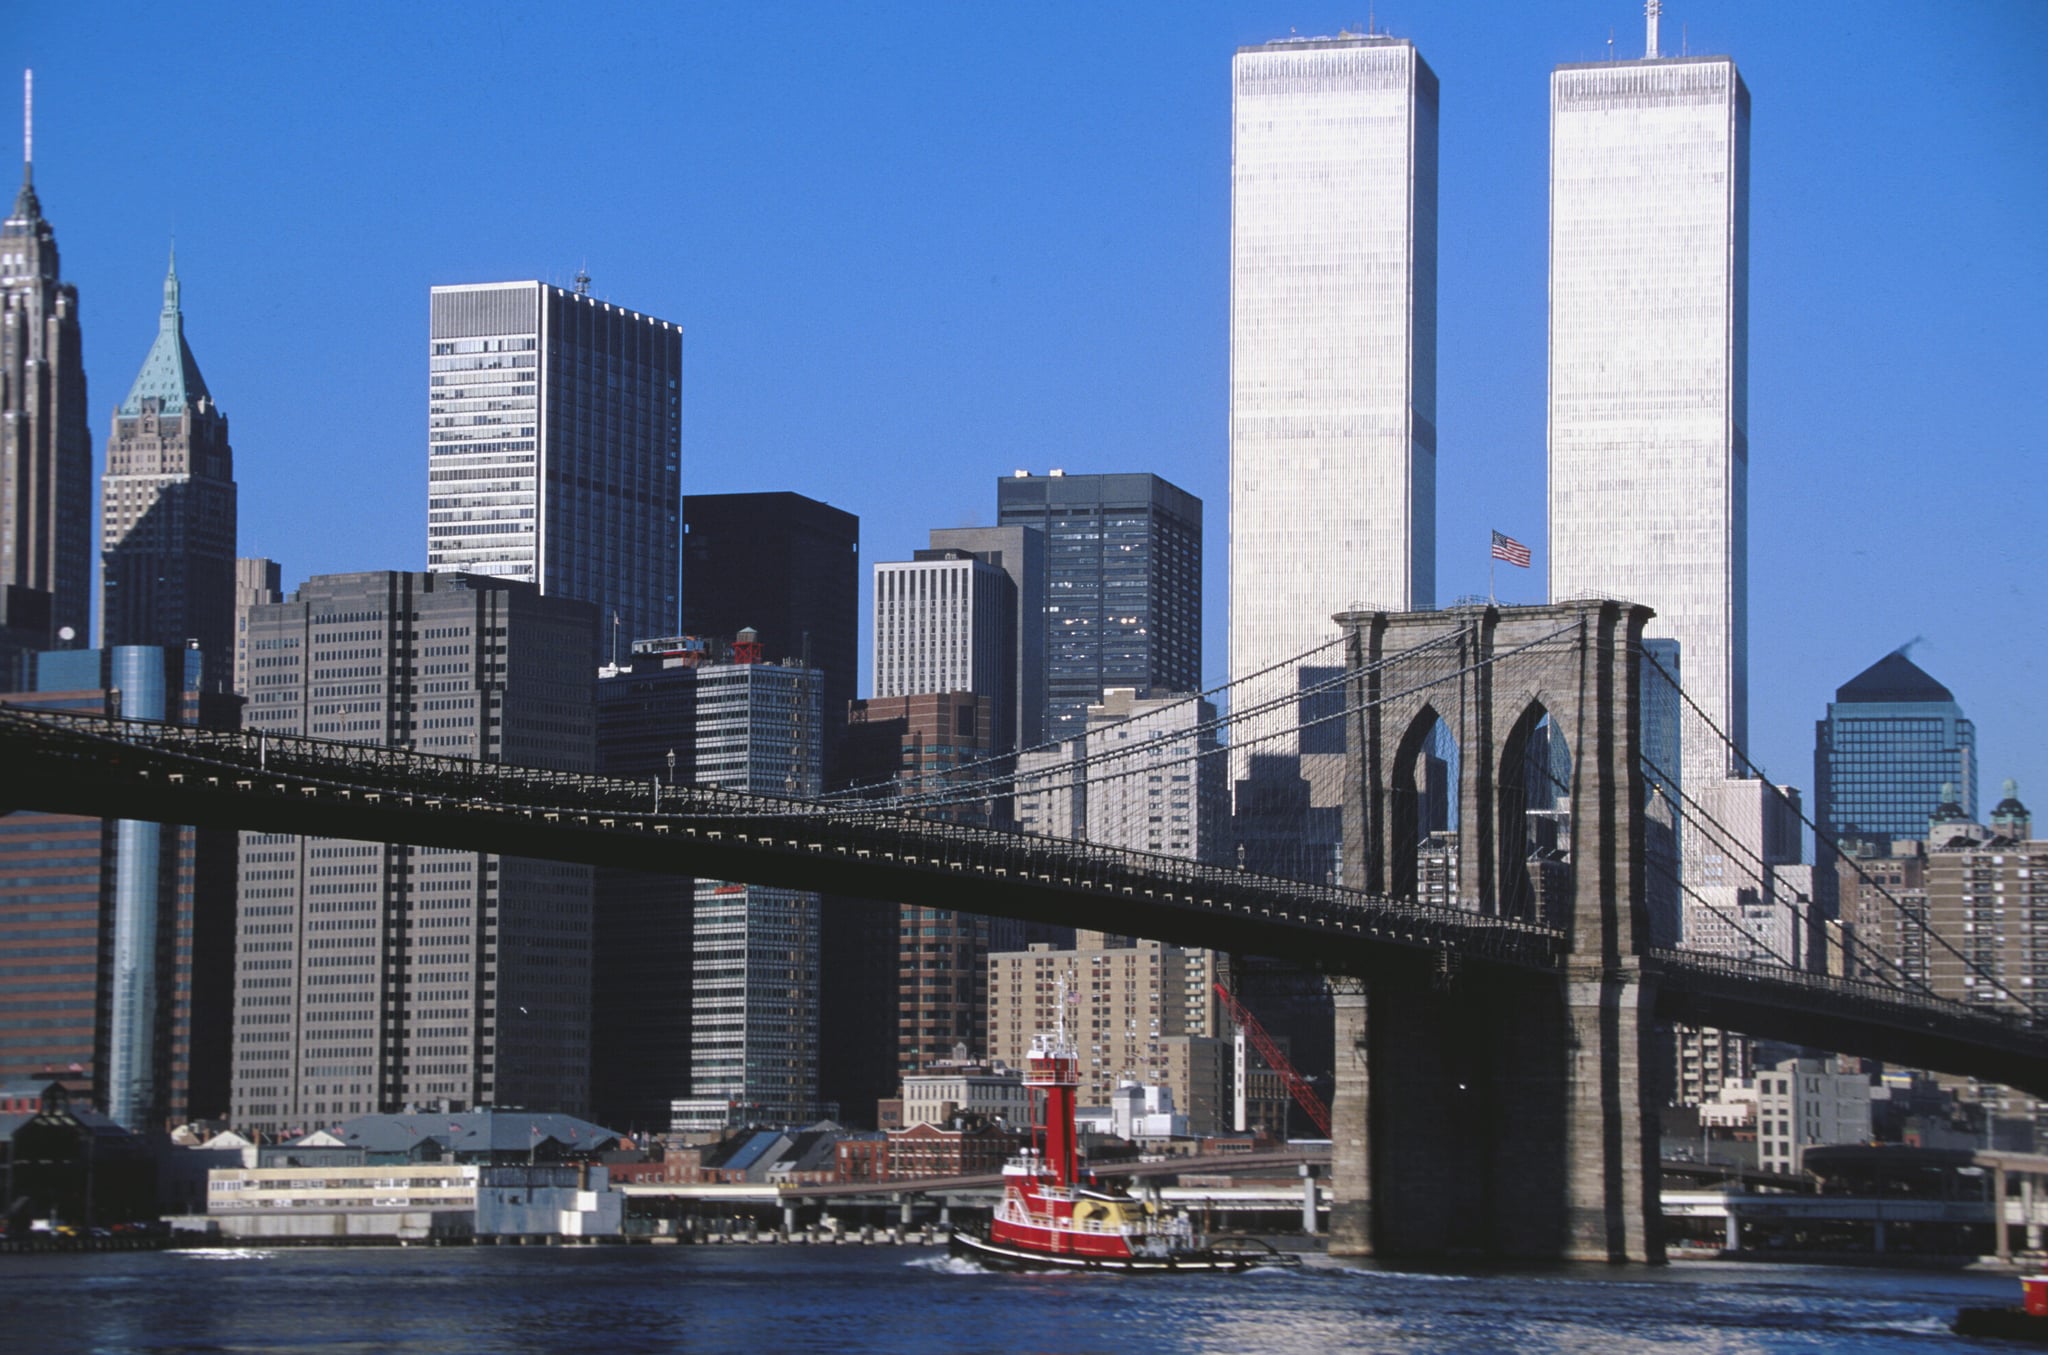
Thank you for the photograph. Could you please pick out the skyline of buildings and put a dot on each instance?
(495, 391)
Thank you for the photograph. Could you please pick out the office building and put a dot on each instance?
(1148, 774)
(1333, 455)
(120, 934)
(1333, 258)
(755, 949)
(1892, 739)
(1986, 900)
(1137, 1012)
(45, 445)
(258, 582)
(554, 439)
(788, 568)
(1156, 775)
(1019, 552)
(936, 744)
(1987, 889)
(370, 976)
(1749, 894)
(1123, 600)
(641, 923)
(167, 535)
(1809, 1103)
(947, 622)
(1649, 362)
(1881, 900)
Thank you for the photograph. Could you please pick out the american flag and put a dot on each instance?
(1508, 549)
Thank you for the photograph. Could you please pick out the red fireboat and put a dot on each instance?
(1049, 1220)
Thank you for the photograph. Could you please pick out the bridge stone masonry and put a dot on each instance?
(1503, 1115)
(1491, 1096)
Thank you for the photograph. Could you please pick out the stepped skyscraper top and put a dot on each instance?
(45, 444)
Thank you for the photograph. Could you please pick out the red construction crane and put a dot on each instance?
(1297, 1085)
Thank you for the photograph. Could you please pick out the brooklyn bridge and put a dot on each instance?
(1494, 1040)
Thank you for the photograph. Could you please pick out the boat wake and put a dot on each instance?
(949, 1265)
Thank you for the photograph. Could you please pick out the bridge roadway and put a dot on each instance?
(77, 764)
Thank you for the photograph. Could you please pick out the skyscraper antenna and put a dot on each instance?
(583, 280)
(1651, 9)
(28, 121)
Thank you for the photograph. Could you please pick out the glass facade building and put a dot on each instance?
(1123, 581)
(1649, 326)
(1892, 740)
(554, 439)
(1332, 339)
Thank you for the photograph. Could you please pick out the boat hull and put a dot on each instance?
(2004, 1324)
(1208, 1260)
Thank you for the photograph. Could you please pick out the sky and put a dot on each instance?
(916, 247)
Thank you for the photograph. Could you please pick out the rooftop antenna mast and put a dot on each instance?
(1651, 9)
(583, 279)
(28, 122)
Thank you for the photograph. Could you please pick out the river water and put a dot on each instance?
(598, 1300)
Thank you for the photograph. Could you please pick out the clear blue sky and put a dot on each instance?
(914, 247)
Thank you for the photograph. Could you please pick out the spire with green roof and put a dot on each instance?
(170, 374)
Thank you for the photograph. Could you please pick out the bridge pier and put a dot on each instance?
(1351, 1226)
(1501, 1112)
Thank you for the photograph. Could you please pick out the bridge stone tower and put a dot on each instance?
(1500, 1112)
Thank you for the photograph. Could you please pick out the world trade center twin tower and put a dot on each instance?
(1333, 336)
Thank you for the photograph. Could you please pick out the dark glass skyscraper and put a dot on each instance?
(555, 448)
(168, 503)
(788, 567)
(1123, 603)
(1892, 739)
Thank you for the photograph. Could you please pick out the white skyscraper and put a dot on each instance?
(554, 441)
(1332, 338)
(1649, 338)
(947, 622)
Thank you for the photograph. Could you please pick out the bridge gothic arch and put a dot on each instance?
(1502, 1113)
(1533, 837)
(1423, 794)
